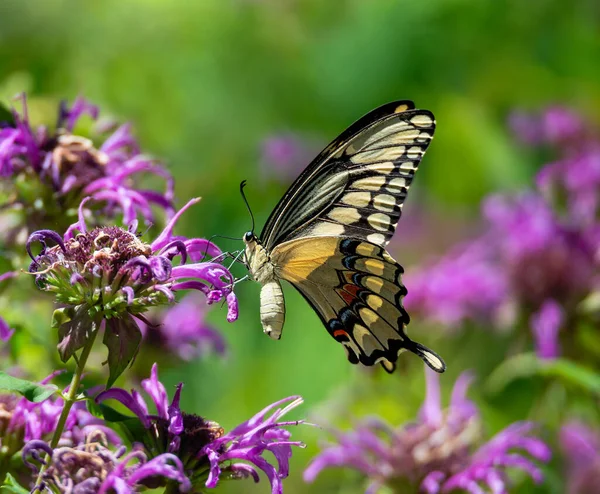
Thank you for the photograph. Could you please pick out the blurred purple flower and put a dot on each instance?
(22, 421)
(108, 275)
(206, 452)
(557, 125)
(6, 331)
(581, 450)
(50, 172)
(91, 467)
(287, 154)
(576, 178)
(545, 325)
(543, 257)
(465, 284)
(182, 330)
(525, 257)
(437, 453)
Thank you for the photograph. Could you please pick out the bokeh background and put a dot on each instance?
(208, 84)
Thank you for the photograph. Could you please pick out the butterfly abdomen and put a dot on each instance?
(272, 308)
(272, 303)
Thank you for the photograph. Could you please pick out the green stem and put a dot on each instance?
(70, 399)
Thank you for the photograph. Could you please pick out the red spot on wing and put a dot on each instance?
(340, 332)
(349, 293)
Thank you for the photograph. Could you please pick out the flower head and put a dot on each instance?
(47, 173)
(22, 421)
(92, 467)
(109, 275)
(556, 125)
(207, 453)
(438, 453)
(465, 284)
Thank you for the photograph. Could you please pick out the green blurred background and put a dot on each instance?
(205, 82)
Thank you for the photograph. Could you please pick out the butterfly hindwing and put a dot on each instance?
(356, 187)
(356, 288)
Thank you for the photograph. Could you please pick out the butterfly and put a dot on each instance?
(328, 233)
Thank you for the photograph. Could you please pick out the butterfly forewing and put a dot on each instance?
(356, 187)
(356, 288)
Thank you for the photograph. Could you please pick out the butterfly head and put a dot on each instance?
(249, 238)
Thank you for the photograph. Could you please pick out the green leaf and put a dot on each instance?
(11, 485)
(528, 365)
(34, 392)
(122, 337)
(102, 411)
(6, 116)
(130, 427)
(75, 327)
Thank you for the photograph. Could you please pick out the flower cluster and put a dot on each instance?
(108, 275)
(46, 173)
(206, 452)
(22, 421)
(532, 255)
(437, 453)
(92, 467)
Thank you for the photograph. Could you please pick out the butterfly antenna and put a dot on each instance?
(242, 185)
(210, 241)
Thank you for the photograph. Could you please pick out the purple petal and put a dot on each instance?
(232, 307)
(545, 325)
(431, 411)
(129, 293)
(199, 248)
(431, 484)
(174, 412)
(166, 235)
(6, 331)
(161, 268)
(41, 236)
(127, 400)
(166, 465)
(157, 392)
(80, 224)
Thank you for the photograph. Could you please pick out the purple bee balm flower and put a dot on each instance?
(48, 173)
(557, 125)
(545, 325)
(525, 257)
(544, 258)
(207, 453)
(466, 284)
(436, 454)
(109, 276)
(581, 450)
(22, 421)
(182, 330)
(92, 467)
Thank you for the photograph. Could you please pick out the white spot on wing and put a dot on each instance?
(347, 216)
(384, 202)
(421, 120)
(326, 229)
(379, 221)
(376, 238)
(357, 199)
(369, 183)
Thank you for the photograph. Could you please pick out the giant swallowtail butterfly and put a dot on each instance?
(327, 237)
